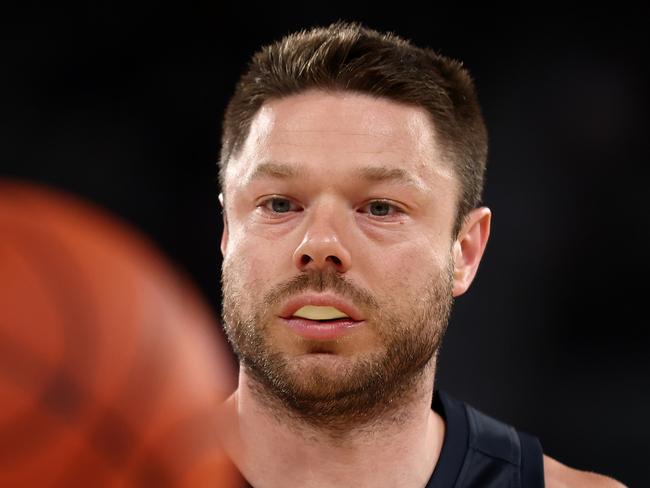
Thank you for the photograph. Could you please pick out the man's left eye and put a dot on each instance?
(380, 208)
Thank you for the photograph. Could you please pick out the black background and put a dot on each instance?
(122, 104)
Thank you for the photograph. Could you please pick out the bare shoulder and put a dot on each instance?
(558, 475)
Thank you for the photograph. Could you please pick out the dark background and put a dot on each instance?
(122, 104)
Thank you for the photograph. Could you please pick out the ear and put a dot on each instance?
(469, 247)
(224, 234)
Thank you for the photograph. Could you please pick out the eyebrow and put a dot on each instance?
(374, 174)
(378, 174)
(276, 170)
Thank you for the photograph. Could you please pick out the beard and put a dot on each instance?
(364, 388)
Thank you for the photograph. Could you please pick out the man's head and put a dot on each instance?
(342, 245)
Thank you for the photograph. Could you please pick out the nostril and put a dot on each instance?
(304, 260)
(336, 260)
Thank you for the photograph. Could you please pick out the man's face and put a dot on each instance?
(337, 254)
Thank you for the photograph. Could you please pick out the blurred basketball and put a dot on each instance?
(111, 368)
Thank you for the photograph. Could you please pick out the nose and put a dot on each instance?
(322, 246)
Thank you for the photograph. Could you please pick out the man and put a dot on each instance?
(352, 170)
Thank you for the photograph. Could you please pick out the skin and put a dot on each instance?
(330, 225)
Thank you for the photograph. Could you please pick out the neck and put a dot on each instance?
(399, 449)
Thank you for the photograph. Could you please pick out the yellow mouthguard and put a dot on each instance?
(313, 312)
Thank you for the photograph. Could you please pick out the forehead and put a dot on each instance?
(318, 130)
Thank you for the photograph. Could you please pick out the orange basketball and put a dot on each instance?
(111, 370)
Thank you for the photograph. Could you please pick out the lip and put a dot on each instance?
(319, 299)
(321, 331)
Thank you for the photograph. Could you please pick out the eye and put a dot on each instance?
(278, 205)
(380, 208)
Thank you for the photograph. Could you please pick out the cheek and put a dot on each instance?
(255, 266)
(240, 265)
(270, 243)
(411, 258)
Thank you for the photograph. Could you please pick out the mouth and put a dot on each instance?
(320, 317)
(320, 306)
(320, 313)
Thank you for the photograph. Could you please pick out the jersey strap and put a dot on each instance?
(499, 456)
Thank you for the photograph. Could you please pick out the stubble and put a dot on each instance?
(370, 387)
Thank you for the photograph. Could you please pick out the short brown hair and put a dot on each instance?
(350, 57)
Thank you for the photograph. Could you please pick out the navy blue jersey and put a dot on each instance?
(479, 451)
